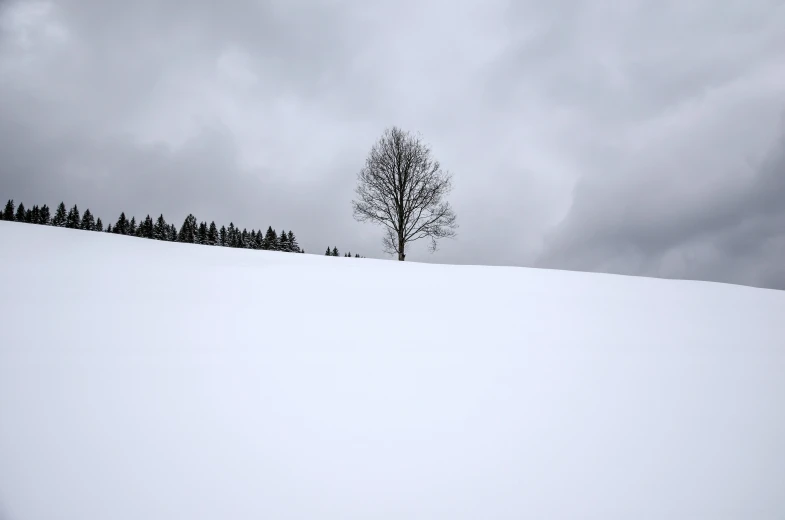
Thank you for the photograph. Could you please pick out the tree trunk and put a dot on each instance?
(401, 244)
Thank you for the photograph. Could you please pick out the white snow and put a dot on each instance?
(150, 380)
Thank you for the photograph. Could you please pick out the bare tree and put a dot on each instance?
(402, 188)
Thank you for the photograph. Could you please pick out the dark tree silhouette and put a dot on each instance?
(222, 236)
(88, 222)
(212, 234)
(271, 239)
(293, 245)
(403, 189)
(146, 227)
(121, 226)
(188, 230)
(8, 213)
(61, 217)
(45, 217)
(161, 229)
(74, 219)
(20, 213)
(172, 233)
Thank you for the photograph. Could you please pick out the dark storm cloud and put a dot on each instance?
(643, 139)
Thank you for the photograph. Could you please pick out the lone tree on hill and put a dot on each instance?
(402, 188)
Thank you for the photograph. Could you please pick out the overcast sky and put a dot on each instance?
(635, 137)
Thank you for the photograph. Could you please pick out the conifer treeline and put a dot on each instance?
(191, 231)
(334, 252)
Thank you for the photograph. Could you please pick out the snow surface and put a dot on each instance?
(150, 380)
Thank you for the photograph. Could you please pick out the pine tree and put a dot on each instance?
(244, 239)
(35, 215)
(201, 237)
(132, 227)
(109, 229)
(20, 213)
(328, 253)
(74, 219)
(161, 229)
(222, 237)
(121, 226)
(230, 236)
(335, 251)
(44, 217)
(172, 233)
(270, 240)
(283, 242)
(29, 216)
(293, 245)
(212, 234)
(99, 226)
(61, 217)
(88, 222)
(188, 230)
(259, 240)
(146, 228)
(8, 214)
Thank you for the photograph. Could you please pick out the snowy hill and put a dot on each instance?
(151, 380)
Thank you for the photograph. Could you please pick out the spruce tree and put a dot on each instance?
(61, 217)
(161, 229)
(222, 236)
(212, 234)
(35, 215)
(328, 253)
(88, 222)
(188, 230)
(99, 226)
(230, 236)
(8, 214)
(335, 251)
(146, 227)
(283, 242)
(172, 233)
(244, 239)
(29, 216)
(132, 227)
(202, 235)
(109, 229)
(270, 240)
(74, 219)
(293, 245)
(20, 213)
(121, 226)
(44, 217)
(259, 240)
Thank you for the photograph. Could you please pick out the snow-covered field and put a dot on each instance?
(149, 380)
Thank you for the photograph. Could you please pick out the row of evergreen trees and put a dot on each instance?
(334, 252)
(191, 231)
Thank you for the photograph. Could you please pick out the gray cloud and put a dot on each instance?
(640, 139)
